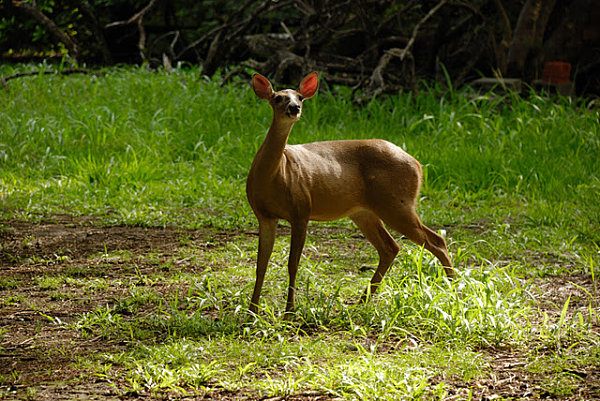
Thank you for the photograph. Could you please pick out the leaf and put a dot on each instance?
(563, 313)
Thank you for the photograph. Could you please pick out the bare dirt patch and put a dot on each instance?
(79, 238)
(38, 352)
(42, 358)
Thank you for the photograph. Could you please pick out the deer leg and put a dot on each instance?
(297, 244)
(436, 244)
(409, 224)
(387, 248)
(267, 228)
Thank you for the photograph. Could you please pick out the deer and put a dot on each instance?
(371, 181)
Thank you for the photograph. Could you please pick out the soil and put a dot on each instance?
(38, 355)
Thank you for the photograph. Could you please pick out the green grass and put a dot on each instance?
(514, 183)
(420, 328)
(138, 147)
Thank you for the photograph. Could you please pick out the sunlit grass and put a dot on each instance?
(420, 328)
(184, 332)
(419, 332)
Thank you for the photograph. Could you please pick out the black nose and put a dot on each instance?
(294, 109)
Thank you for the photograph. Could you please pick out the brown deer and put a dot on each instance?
(371, 181)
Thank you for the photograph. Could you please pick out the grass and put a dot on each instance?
(140, 148)
(513, 181)
(421, 332)
(201, 338)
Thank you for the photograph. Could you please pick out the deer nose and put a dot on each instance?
(294, 109)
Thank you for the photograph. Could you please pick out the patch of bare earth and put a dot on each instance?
(39, 354)
(41, 357)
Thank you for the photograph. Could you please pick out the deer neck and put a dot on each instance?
(270, 154)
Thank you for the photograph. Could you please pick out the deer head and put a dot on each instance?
(286, 103)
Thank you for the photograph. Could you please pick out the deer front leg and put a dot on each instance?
(267, 228)
(296, 246)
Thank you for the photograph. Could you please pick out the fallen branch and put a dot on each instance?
(377, 84)
(223, 36)
(32, 73)
(220, 46)
(216, 30)
(138, 16)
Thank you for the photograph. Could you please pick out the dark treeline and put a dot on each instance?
(377, 46)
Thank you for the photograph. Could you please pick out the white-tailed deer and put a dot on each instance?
(371, 181)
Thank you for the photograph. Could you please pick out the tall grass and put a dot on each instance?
(139, 147)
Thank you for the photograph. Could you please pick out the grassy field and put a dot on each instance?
(128, 248)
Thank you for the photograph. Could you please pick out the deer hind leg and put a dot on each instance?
(387, 248)
(406, 221)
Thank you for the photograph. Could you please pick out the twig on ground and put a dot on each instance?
(31, 73)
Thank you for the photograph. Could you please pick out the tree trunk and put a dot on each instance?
(528, 35)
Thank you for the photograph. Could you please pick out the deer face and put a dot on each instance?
(286, 103)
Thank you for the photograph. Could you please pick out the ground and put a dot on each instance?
(41, 356)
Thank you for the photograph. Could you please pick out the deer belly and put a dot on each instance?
(333, 206)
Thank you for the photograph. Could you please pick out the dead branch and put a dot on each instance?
(413, 37)
(137, 16)
(69, 71)
(138, 19)
(217, 29)
(377, 83)
(220, 46)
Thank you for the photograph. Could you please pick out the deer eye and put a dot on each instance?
(300, 97)
(278, 99)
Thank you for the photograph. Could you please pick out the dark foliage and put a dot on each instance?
(376, 46)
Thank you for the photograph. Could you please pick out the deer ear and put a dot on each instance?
(262, 87)
(309, 85)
